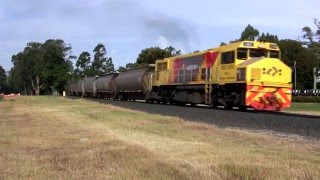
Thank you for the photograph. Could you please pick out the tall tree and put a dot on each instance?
(17, 79)
(33, 59)
(173, 51)
(150, 55)
(312, 38)
(121, 69)
(83, 65)
(57, 65)
(131, 65)
(41, 66)
(249, 34)
(305, 61)
(268, 38)
(3, 79)
(101, 64)
(223, 44)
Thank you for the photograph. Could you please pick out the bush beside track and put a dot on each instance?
(306, 95)
(306, 99)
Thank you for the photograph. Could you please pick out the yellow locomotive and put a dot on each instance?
(242, 74)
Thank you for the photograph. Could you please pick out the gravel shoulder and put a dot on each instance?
(282, 122)
(312, 113)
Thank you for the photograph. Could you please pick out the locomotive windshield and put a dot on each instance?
(242, 53)
(274, 54)
(258, 53)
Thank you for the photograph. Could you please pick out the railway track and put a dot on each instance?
(277, 122)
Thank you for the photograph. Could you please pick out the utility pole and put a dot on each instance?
(314, 78)
(295, 74)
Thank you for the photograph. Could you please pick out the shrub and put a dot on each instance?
(306, 99)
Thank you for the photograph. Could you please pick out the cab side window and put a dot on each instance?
(227, 57)
(274, 54)
(242, 54)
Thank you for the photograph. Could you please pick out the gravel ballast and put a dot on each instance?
(288, 123)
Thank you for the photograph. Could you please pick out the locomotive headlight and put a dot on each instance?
(241, 74)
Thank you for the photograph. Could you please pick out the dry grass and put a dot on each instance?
(50, 137)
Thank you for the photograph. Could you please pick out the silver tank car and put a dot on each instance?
(134, 84)
(72, 88)
(88, 88)
(104, 86)
(78, 88)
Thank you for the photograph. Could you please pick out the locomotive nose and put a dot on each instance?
(268, 102)
(268, 84)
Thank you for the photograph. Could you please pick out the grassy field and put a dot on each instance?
(60, 138)
(305, 107)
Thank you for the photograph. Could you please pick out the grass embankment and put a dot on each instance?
(305, 107)
(59, 138)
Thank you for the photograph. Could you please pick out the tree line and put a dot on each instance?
(305, 51)
(45, 68)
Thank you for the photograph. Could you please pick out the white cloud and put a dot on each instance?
(162, 42)
(132, 25)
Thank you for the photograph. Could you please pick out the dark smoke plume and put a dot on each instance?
(152, 24)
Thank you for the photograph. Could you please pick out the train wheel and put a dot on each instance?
(213, 106)
(181, 103)
(229, 106)
(243, 108)
(171, 102)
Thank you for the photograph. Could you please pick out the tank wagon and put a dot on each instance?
(134, 84)
(88, 87)
(242, 74)
(71, 88)
(75, 88)
(104, 86)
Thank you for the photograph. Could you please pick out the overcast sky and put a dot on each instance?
(126, 27)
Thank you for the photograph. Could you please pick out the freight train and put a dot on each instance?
(242, 74)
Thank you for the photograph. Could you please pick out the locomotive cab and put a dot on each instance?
(267, 78)
(242, 74)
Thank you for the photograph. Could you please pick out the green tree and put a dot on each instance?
(57, 64)
(312, 39)
(131, 66)
(3, 79)
(121, 69)
(305, 61)
(101, 64)
(150, 55)
(173, 51)
(223, 44)
(40, 66)
(83, 65)
(249, 34)
(268, 38)
(32, 60)
(17, 79)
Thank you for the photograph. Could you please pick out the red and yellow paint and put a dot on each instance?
(268, 98)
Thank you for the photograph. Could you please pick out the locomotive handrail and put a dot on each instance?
(182, 77)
